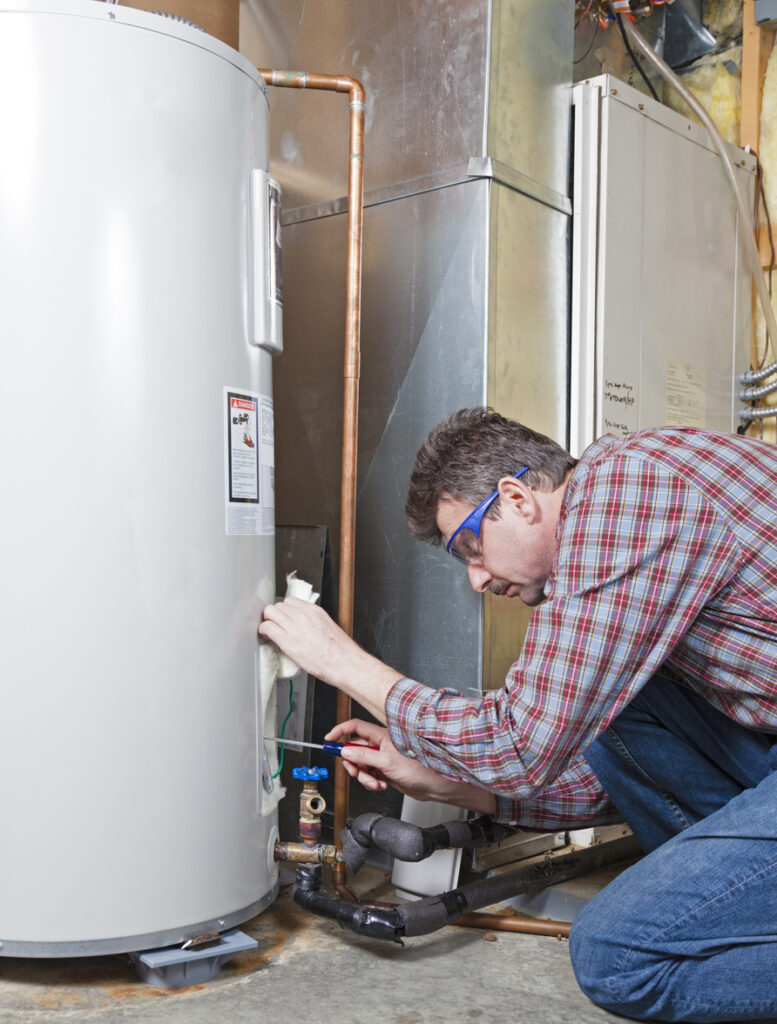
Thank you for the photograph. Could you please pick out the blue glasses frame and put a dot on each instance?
(474, 520)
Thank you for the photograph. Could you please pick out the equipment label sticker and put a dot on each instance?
(242, 478)
(686, 396)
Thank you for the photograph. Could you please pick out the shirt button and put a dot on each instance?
(410, 753)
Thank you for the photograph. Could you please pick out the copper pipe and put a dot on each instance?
(530, 925)
(357, 108)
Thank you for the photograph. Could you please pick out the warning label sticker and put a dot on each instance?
(245, 459)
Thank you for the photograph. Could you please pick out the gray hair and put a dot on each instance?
(467, 454)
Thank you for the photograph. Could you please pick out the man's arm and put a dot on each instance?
(575, 799)
(310, 638)
(377, 769)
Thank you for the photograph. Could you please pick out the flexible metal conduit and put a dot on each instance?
(748, 235)
(759, 414)
(755, 376)
(753, 394)
(357, 108)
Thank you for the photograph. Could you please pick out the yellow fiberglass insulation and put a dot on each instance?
(768, 146)
(716, 81)
(724, 19)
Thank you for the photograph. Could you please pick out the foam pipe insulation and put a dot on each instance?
(429, 914)
(408, 842)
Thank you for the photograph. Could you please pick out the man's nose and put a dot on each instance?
(479, 578)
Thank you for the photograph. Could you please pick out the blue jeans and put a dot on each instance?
(689, 933)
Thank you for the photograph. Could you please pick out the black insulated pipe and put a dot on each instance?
(407, 920)
(434, 912)
(376, 923)
(422, 916)
(408, 842)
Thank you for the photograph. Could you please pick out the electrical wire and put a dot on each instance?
(760, 197)
(769, 276)
(585, 12)
(590, 45)
(633, 56)
(283, 728)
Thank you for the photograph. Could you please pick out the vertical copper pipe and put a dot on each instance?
(357, 108)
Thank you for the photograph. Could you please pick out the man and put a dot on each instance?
(648, 680)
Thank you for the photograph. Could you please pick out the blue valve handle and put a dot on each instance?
(310, 774)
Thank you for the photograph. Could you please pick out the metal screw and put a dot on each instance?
(222, 923)
(642, 106)
(615, 92)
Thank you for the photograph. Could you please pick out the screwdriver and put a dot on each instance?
(328, 746)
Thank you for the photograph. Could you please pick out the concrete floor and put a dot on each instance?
(308, 969)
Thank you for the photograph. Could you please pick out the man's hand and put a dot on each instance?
(310, 638)
(305, 632)
(377, 769)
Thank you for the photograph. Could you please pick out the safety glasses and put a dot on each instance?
(464, 542)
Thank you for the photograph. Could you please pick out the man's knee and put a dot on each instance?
(594, 955)
(609, 970)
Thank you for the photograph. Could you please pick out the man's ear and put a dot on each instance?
(516, 498)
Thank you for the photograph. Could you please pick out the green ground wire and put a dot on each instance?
(283, 728)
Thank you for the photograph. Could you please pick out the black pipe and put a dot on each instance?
(408, 842)
(373, 922)
(428, 914)
(432, 913)
(410, 919)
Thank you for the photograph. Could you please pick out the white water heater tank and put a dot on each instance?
(139, 309)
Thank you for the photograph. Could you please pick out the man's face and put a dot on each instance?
(516, 550)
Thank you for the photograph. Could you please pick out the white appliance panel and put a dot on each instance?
(661, 299)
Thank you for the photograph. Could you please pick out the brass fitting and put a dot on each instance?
(304, 853)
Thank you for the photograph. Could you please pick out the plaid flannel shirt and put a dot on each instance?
(667, 556)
